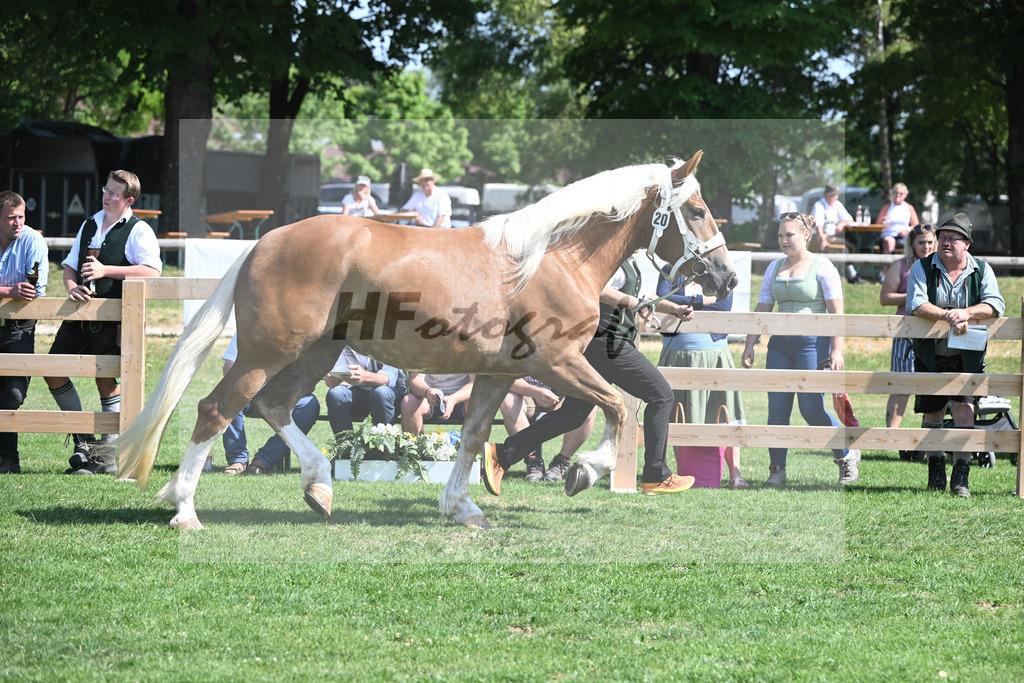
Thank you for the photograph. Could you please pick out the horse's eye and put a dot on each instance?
(697, 213)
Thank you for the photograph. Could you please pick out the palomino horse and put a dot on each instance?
(514, 296)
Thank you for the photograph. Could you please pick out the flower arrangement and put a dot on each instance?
(367, 441)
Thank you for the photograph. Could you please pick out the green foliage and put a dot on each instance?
(367, 441)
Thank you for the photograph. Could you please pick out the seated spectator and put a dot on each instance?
(831, 219)
(274, 450)
(432, 204)
(527, 399)
(897, 217)
(372, 389)
(435, 397)
(360, 202)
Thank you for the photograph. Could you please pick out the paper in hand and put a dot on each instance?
(974, 339)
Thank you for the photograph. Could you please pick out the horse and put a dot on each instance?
(514, 296)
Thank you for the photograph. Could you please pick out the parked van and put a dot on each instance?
(506, 197)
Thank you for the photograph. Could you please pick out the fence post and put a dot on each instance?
(133, 350)
(624, 474)
(1020, 417)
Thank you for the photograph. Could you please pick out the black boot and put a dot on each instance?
(937, 472)
(958, 480)
(10, 464)
(83, 449)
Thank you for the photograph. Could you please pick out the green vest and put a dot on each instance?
(799, 296)
(974, 361)
(112, 253)
(618, 322)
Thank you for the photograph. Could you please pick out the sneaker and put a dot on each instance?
(673, 484)
(557, 468)
(97, 464)
(534, 468)
(580, 477)
(236, 468)
(80, 457)
(776, 476)
(491, 472)
(848, 470)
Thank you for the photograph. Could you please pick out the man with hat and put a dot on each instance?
(830, 218)
(432, 204)
(953, 286)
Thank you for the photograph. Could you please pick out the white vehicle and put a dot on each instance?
(332, 193)
(506, 197)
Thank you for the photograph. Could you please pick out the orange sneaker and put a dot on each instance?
(674, 484)
(491, 471)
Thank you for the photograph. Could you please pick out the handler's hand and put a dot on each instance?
(748, 358)
(23, 290)
(79, 293)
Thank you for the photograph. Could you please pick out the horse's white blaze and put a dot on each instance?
(181, 489)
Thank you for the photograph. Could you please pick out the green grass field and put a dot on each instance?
(881, 581)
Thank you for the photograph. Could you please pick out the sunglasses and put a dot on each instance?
(794, 216)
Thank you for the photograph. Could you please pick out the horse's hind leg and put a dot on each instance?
(488, 393)
(275, 402)
(215, 413)
(578, 378)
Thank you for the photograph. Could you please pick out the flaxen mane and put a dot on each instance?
(617, 194)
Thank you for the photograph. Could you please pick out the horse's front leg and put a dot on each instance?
(488, 393)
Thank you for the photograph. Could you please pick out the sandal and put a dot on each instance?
(235, 468)
(738, 483)
(256, 467)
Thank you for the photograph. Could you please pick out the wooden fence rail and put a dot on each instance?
(130, 367)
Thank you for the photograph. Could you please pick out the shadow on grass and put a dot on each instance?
(74, 516)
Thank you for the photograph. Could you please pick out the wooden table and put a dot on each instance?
(396, 217)
(235, 219)
(146, 214)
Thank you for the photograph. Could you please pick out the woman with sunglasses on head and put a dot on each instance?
(921, 243)
(898, 217)
(801, 282)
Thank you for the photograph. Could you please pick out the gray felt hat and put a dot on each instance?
(959, 223)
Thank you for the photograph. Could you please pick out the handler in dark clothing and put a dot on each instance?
(954, 286)
(614, 355)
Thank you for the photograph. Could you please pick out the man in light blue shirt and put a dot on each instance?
(365, 387)
(23, 255)
(951, 286)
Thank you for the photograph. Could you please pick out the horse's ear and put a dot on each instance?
(690, 167)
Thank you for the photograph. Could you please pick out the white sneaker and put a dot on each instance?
(848, 471)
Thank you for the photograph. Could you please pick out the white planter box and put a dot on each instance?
(385, 470)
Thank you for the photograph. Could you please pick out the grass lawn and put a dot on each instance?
(882, 581)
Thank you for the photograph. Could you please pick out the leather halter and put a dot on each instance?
(693, 249)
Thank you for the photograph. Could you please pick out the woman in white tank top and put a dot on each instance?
(898, 217)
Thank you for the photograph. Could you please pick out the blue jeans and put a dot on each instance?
(348, 404)
(303, 415)
(798, 353)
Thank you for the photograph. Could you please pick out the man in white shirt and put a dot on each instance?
(830, 219)
(432, 204)
(110, 246)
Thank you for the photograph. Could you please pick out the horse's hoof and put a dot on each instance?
(476, 522)
(187, 523)
(318, 497)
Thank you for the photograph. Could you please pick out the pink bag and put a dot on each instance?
(844, 409)
(703, 463)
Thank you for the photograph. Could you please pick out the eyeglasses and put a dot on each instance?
(922, 228)
(951, 239)
(110, 193)
(794, 216)
(899, 194)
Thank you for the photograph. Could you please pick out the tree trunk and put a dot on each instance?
(1015, 157)
(188, 105)
(284, 107)
(884, 157)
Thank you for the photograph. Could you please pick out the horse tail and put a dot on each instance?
(138, 445)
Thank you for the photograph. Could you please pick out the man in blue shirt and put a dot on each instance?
(22, 250)
(364, 387)
(955, 287)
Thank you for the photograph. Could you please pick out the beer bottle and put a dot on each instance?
(32, 276)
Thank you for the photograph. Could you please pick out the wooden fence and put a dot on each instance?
(130, 367)
(849, 381)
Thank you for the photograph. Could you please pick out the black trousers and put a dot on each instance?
(16, 336)
(620, 363)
